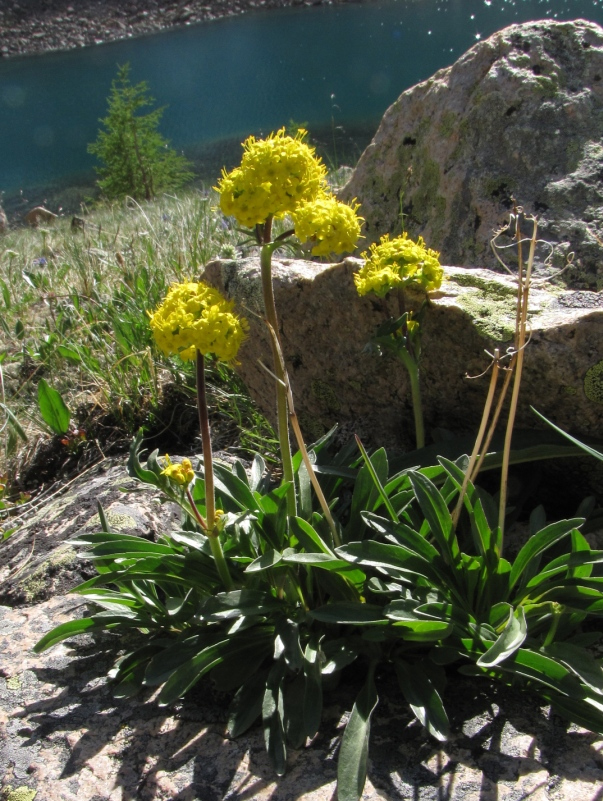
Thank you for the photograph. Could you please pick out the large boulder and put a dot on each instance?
(519, 115)
(325, 327)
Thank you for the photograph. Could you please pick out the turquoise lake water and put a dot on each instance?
(334, 68)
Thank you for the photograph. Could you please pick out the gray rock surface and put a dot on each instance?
(37, 26)
(325, 327)
(520, 114)
(37, 561)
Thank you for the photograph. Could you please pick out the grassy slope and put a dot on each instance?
(73, 309)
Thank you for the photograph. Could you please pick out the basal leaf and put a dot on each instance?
(312, 689)
(436, 514)
(273, 711)
(538, 543)
(423, 698)
(353, 754)
(246, 706)
(65, 630)
(510, 639)
(350, 613)
(580, 661)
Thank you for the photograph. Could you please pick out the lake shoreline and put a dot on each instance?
(30, 27)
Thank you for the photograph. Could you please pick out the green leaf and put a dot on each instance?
(323, 560)
(308, 537)
(293, 696)
(353, 754)
(270, 558)
(189, 673)
(235, 670)
(510, 639)
(304, 491)
(69, 353)
(581, 445)
(437, 515)
(258, 467)
(582, 712)
(273, 710)
(423, 630)
(312, 705)
(373, 468)
(580, 662)
(365, 494)
(423, 698)
(381, 555)
(239, 603)
(351, 613)
(54, 412)
(233, 487)
(246, 706)
(65, 630)
(5, 293)
(14, 423)
(103, 519)
(134, 467)
(404, 535)
(538, 543)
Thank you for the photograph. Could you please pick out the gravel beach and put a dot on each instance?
(38, 26)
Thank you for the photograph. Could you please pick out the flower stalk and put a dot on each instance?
(282, 413)
(208, 475)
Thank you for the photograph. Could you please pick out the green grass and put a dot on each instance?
(74, 309)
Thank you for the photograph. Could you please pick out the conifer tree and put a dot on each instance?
(137, 160)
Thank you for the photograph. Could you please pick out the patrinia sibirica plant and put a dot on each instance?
(269, 588)
(391, 266)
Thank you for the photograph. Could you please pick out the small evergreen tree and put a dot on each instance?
(137, 159)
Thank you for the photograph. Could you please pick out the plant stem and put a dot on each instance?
(523, 292)
(281, 392)
(415, 392)
(302, 445)
(479, 438)
(208, 474)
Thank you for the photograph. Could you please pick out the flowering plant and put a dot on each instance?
(277, 176)
(395, 264)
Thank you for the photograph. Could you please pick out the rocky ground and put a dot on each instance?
(36, 26)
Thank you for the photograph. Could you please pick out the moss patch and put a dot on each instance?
(326, 396)
(593, 383)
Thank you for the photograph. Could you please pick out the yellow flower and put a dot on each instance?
(181, 474)
(196, 317)
(334, 226)
(276, 175)
(398, 263)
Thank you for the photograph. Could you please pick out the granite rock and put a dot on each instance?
(325, 327)
(519, 115)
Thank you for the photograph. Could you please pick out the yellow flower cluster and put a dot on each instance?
(275, 176)
(334, 226)
(181, 474)
(397, 263)
(196, 317)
